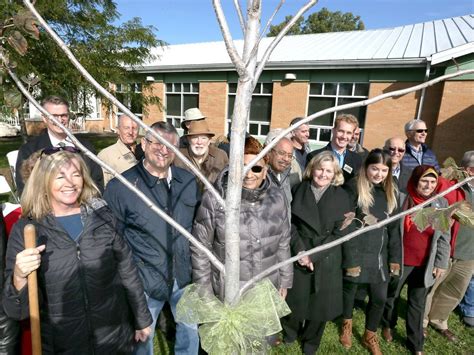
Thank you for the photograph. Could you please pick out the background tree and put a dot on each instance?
(106, 49)
(320, 22)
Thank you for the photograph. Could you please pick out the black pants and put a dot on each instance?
(310, 333)
(374, 311)
(390, 312)
(413, 276)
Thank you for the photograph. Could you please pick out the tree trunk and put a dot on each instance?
(21, 119)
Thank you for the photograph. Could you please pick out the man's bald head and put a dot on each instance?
(281, 155)
(396, 147)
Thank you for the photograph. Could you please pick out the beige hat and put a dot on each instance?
(192, 114)
(199, 127)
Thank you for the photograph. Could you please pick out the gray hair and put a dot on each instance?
(411, 124)
(272, 135)
(164, 127)
(468, 159)
(55, 100)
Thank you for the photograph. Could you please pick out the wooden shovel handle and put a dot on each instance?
(30, 242)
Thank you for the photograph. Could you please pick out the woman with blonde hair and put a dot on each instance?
(92, 299)
(378, 251)
(318, 208)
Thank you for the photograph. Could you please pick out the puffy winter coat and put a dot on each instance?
(91, 297)
(264, 236)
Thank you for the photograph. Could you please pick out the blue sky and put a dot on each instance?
(190, 21)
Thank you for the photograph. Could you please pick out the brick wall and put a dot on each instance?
(454, 132)
(154, 112)
(289, 101)
(213, 104)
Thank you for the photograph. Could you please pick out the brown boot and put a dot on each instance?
(371, 342)
(346, 333)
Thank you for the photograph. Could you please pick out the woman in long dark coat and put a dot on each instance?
(318, 208)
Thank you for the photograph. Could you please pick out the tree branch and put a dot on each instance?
(213, 259)
(122, 107)
(240, 15)
(348, 237)
(229, 43)
(282, 33)
(255, 48)
(366, 102)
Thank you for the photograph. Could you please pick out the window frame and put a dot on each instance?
(178, 88)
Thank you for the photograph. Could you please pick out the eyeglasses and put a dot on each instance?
(50, 151)
(63, 115)
(283, 154)
(394, 150)
(156, 145)
(421, 130)
(256, 169)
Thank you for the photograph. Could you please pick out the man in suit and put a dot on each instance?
(54, 136)
(395, 146)
(342, 132)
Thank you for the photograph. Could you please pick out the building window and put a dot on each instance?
(326, 95)
(131, 96)
(260, 109)
(180, 97)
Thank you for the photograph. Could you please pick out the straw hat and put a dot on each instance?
(198, 128)
(192, 114)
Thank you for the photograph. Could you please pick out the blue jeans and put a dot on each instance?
(467, 303)
(187, 338)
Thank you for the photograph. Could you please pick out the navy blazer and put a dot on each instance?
(41, 142)
(352, 162)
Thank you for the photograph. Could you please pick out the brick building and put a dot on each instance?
(308, 73)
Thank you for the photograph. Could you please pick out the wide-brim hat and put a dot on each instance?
(192, 114)
(199, 128)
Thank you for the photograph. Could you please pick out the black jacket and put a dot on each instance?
(318, 295)
(375, 249)
(91, 297)
(41, 142)
(352, 162)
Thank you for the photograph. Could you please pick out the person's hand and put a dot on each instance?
(353, 271)
(437, 272)
(26, 262)
(394, 269)
(142, 334)
(306, 262)
(283, 292)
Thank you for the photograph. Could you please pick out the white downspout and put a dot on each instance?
(423, 91)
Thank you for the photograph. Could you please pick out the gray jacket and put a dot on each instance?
(264, 236)
(440, 247)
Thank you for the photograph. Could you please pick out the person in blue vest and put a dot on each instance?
(416, 151)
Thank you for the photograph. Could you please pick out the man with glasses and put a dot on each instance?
(396, 148)
(207, 158)
(416, 150)
(162, 254)
(281, 170)
(54, 136)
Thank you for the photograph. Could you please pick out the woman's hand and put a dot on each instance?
(283, 292)
(306, 262)
(353, 271)
(394, 269)
(26, 262)
(437, 272)
(142, 334)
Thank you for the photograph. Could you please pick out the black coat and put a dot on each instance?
(375, 249)
(318, 295)
(41, 142)
(91, 297)
(352, 162)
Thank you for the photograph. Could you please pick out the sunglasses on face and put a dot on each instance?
(394, 150)
(421, 130)
(50, 151)
(256, 169)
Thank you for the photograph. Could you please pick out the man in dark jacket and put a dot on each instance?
(395, 146)
(350, 162)
(162, 254)
(417, 152)
(54, 136)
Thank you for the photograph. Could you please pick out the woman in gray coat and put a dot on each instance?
(264, 229)
(425, 257)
